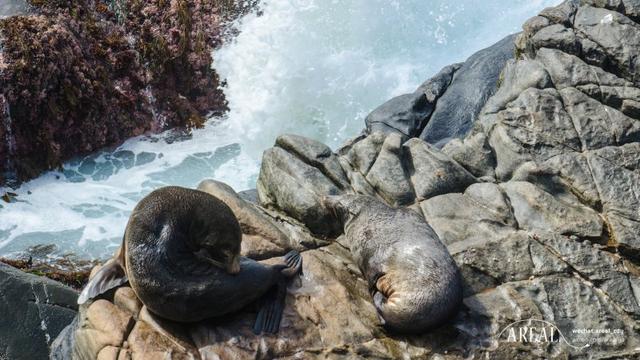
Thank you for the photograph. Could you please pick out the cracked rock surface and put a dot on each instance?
(538, 204)
(33, 311)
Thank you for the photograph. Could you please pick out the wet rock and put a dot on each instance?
(405, 114)
(409, 113)
(471, 86)
(437, 85)
(144, 158)
(34, 311)
(281, 172)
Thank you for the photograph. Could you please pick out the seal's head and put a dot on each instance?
(218, 242)
(224, 253)
(347, 207)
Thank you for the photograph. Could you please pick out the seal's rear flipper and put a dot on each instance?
(111, 275)
(270, 313)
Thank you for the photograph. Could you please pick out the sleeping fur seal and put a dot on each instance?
(414, 282)
(181, 255)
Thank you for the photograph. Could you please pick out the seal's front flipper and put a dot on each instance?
(270, 313)
(111, 275)
(378, 301)
(293, 260)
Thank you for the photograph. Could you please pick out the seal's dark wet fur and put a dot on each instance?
(180, 254)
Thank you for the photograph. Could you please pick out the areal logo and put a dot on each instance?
(536, 331)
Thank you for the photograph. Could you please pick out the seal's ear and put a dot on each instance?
(111, 275)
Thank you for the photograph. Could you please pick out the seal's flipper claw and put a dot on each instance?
(270, 313)
(290, 255)
(111, 275)
(293, 260)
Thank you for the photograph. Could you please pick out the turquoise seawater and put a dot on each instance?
(311, 67)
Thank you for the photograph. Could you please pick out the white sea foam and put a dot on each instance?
(312, 67)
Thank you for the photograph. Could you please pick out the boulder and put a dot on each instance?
(34, 311)
(315, 154)
(362, 154)
(408, 114)
(389, 175)
(405, 114)
(470, 88)
(617, 36)
(482, 212)
(263, 235)
(433, 172)
(281, 173)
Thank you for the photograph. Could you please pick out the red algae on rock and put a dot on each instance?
(77, 76)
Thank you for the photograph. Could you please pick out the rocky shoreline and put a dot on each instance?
(78, 76)
(534, 191)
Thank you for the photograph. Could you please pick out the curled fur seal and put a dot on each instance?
(181, 255)
(414, 282)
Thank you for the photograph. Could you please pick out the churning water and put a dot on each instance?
(312, 67)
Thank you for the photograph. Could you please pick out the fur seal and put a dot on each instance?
(415, 283)
(181, 256)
